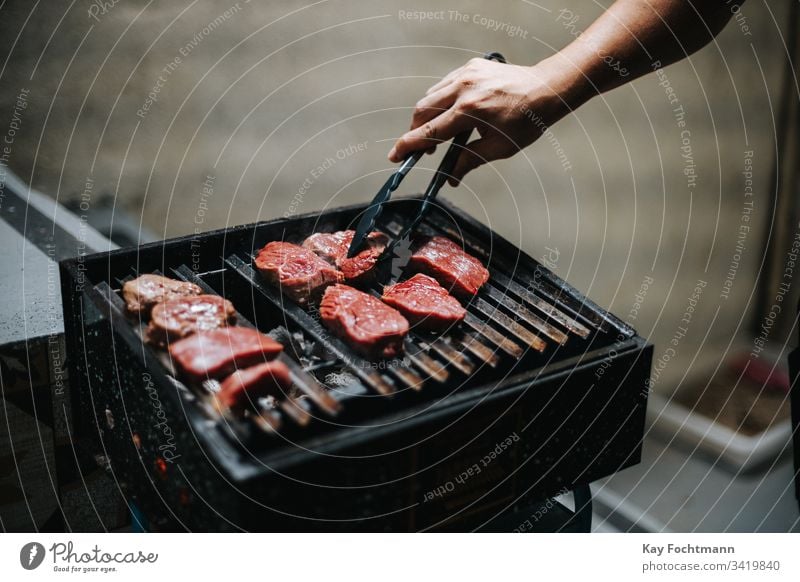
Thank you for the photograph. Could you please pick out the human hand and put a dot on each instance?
(509, 105)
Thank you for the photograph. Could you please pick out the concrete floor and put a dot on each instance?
(676, 490)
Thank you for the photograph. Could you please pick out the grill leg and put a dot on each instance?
(581, 520)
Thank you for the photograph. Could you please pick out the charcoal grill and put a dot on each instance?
(537, 392)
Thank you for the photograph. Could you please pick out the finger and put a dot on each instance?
(439, 129)
(475, 154)
(433, 105)
(439, 86)
(446, 80)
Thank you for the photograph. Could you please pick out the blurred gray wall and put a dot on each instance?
(147, 101)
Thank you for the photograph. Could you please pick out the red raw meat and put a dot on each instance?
(366, 323)
(217, 353)
(144, 292)
(333, 248)
(177, 318)
(424, 302)
(297, 272)
(243, 387)
(460, 273)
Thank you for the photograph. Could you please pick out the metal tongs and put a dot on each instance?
(368, 220)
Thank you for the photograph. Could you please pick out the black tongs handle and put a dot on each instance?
(443, 172)
(370, 215)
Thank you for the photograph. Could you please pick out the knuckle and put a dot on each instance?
(469, 105)
(429, 131)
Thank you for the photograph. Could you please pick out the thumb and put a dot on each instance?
(475, 154)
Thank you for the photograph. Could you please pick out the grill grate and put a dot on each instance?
(516, 318)
(508, 322)
(500, 328)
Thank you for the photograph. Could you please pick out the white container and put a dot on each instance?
(739, 451)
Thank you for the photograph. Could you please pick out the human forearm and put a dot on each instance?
(512, 105)
(631, 36)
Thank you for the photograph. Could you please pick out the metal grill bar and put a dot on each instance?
(408, 377)
(295, 411)
(485, 330)
(541, 305)
(265, 421)
(526, 315)
(424, 362)
(316, 393)
(510, 325)
(474, 346)
(450, 355)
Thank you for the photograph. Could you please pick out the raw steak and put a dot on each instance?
(458, 272)
(297, 272)
(424, 302)
(177, 318)
(243, 387)
(217, 353)
(144, 292)
(366, 323)
(333, 248)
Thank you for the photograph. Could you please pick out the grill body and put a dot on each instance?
(449, 456)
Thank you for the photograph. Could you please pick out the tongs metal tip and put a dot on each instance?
(366, 223)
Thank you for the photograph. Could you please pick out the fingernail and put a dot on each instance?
(393, 154)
